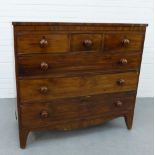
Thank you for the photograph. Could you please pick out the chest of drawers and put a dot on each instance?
(75, 75)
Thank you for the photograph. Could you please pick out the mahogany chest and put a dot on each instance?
(75, 75)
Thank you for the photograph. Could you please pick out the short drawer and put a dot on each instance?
(45, 42)
(123, 42)
(62, 87)
(86, 42)
(39, 64)
(65, 110)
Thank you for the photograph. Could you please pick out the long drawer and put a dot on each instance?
(61, 87)
(64, 110)
(46, 64)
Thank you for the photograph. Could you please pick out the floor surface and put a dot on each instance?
(111, 138)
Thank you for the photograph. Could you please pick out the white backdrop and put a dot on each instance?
(119, 11)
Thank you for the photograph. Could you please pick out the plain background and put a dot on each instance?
(111, 11)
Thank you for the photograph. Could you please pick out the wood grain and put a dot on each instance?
(75, 75)
(76, 86)
(78, 40)
(30, 65)
(116, 42)
(30, 43)
(64, 110)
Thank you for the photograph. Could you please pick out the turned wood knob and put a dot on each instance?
(44, 66)
(87, 43)
(44, 90)
(44, 114)
(43, 42)
(123, 61)
(118, 103)
(121, 82)
(125, 42)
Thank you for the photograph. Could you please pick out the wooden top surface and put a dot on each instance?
(78, 24)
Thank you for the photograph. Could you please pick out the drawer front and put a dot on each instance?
(61, 87)
(33, 65)
(86, 42)
(65, 110)
(123, 42)
(42, 43)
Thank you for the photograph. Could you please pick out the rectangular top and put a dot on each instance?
(78, 24)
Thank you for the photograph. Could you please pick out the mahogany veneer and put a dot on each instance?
(75, 75)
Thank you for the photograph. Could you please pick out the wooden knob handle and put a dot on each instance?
(119, 104)
(87, 43)
(123, 61)
(43, 42)
(125, 42)
(44, 66)
(44, 114)
(44, 90)
(121, 82)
